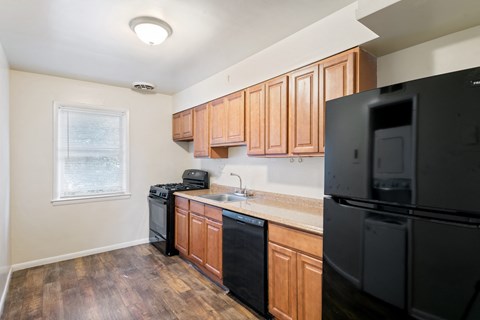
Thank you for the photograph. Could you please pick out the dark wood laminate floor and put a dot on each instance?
(131, 283)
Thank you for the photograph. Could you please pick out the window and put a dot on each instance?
(91, 152)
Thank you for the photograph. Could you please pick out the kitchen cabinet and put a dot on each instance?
(309, 287)
(213, 247)
(196, 240)
(182, 125)
(227, 120)
(294, 273)
(202, 245)
(303, 107)
(255, 109)
(336, 79)
(181, 230)
(181, 225)
(217, 122)
(282, 264)
(177, 126)
(267, 117)
(311, 87)
(235, 117)
(284, 116)
(201, 143)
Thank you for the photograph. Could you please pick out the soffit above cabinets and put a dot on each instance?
(91, 40)
(404, 23)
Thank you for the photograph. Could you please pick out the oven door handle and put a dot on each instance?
(160, 200)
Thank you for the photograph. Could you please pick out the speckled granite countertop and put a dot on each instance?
(297, 212)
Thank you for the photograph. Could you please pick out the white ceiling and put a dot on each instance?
(91, 39)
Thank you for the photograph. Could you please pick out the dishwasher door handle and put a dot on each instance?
(239, 222)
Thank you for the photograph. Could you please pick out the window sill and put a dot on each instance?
(61, 202)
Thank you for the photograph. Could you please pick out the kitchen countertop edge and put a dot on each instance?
(272, 206)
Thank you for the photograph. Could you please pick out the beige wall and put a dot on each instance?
(335, 33)
(4, 177)
(39, 229)
(457, 51)
(279, 175)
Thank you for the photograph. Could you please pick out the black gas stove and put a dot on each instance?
(162, 208)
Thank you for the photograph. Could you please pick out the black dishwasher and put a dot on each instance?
(245, 259)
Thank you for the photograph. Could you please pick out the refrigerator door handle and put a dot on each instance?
(410, 215)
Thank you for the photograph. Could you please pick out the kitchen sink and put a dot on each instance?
(223, 197)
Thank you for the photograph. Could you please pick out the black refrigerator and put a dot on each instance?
(402, 204)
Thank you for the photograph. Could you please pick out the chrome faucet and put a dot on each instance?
(241, 191)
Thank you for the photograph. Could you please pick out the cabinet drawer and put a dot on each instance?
(213, 213)
(197, 207)
(299, 240)
(181, 203)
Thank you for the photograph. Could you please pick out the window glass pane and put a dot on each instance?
(90, 153)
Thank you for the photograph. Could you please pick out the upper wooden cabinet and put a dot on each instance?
(282, 117)
(177, 126)
(276, 113)
(218, 126)
(255, 109)
(201, 143)
(182, 125)
(235, 117)
(303, 107)
(227, 120)
(346, 73)
(267, 117)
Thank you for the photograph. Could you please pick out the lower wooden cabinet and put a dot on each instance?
(213, 247)
(181, 230)
(309, 287)
(198, 236)
(196, 242)
(294, 274)
(282, 281)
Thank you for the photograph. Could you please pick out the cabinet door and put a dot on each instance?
(181, 230)
(309, 286)
(217, 122)
(196, 239)
(276, 110)
(336, 79)
(213, 247)
(187, 124)
(235, 117)
(256, 120)
(282, 282)
(177, 126)
(201, 143)
(303, 107)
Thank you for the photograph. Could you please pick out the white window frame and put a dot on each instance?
(56, 198)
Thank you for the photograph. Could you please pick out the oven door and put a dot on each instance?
(158, 216)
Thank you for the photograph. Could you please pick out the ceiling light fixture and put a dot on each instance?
(150, 30)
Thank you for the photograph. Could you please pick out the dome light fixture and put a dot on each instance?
(150, 30)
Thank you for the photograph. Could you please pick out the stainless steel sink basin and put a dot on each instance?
(223, 197)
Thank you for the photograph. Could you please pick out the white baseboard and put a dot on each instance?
(68, 256)
(5, 291)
